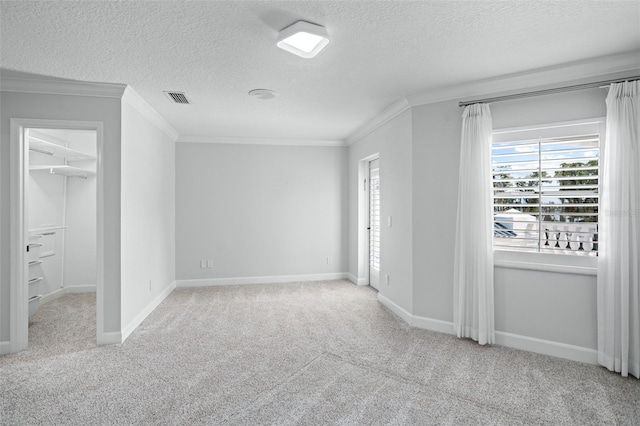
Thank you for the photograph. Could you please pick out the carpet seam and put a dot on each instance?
(265, 391)
(425, 388)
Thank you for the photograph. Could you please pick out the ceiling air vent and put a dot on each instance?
(178, 97)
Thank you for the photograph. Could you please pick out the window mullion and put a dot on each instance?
(539, 195)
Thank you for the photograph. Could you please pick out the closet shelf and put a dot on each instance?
(64, 170)
(45, 229)
(44, 147)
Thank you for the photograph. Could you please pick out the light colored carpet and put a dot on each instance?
(297, 354)
(64, 325)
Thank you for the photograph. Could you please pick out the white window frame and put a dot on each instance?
(584, 265)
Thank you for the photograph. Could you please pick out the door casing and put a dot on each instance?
(363, 218)
(19, 153)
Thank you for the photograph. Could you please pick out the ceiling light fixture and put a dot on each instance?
(303, 39)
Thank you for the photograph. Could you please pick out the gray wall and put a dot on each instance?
(59, 107)
(80, 235)
(436, 152)
(148, 213)
(553, 306)
(546, 305)
(392, 142)
(260, 211)
(279, 210)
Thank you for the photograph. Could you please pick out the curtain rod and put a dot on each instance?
(547, 91)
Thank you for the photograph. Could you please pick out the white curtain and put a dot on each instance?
(473, 267)
(619, 234)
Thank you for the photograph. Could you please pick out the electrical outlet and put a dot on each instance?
(386, 279)
(329, 260)
(203, 264)
(149, 285)
(389, 221)
(209, 263)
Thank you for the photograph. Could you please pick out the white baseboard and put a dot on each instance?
(208, 282)
(5, 347)
(396, 309)
(126, 331)
(516, 341)
(547, 347)
(110, 338)
(432, 324)
(56, 294)
(357, 281)
(89, 288)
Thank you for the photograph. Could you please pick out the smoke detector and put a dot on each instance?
(264, 94)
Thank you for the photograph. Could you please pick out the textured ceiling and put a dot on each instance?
(379, 52)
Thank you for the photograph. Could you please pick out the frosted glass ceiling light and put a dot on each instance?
(303, 39)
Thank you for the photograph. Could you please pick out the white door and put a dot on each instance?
(374, 223)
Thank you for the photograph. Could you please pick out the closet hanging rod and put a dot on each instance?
(55, 172)
(41, 151)
(548, 91)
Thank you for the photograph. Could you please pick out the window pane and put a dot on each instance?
(546, 194)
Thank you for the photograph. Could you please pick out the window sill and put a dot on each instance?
(564, 264)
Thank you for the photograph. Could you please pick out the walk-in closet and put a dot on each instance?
(61, 210)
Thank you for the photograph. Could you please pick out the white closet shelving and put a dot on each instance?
(51, 155)
(45, 229)
(64, 170)
(33, 284)
(43, 147)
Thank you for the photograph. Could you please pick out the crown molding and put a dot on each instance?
(61, 87)
(388, 114)
(235, 140)
(82, 88)
(619, 65)
(131, 97)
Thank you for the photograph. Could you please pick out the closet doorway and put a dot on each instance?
(61, 255)
(56, 258)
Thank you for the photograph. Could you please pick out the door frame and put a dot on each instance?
(19, 169)
(363, 218)
(373, 276)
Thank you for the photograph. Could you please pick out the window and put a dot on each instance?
(545, 188)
